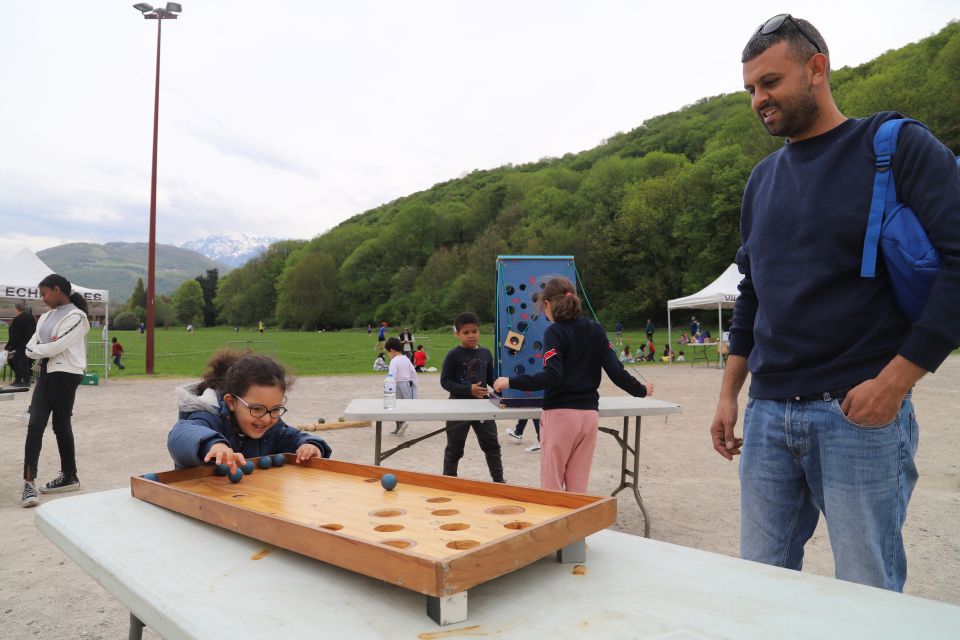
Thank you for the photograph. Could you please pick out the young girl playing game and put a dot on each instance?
(234, 413)
(60, 348)
(575, 350)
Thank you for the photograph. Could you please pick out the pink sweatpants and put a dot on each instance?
(568, 438)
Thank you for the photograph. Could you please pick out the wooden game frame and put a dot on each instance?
(439, 578)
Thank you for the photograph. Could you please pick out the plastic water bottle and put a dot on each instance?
(390, 392)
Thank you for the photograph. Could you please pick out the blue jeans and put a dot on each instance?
(803, 458)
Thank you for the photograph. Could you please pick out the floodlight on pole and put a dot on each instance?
(158, 14)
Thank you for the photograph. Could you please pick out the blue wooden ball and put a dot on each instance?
(388, 481)
(264, 462)
(236, 476)
(152, 476)
(222, 470)
(278, 459)
(248, 467)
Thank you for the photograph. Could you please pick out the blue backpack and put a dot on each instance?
(911, 259)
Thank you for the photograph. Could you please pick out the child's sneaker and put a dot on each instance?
(29, 497)
(533, 448)
(402, 428)
(60, 484)
(514, 435)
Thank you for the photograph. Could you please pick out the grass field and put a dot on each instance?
(178, 353)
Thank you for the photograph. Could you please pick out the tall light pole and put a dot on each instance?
(158, 14)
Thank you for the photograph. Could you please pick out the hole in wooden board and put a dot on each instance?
(517, 525)
(332, 527)
(239, 495)
(387, 513)
(399, 543)
(460, 545)
(372, 480)
(438, 499)
(455, 526)
(388, 527)
(505, 510)
(445, 512)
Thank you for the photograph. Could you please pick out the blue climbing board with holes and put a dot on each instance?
(520, 324)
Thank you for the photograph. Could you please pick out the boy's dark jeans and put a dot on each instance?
(487, 437)
(53, 393)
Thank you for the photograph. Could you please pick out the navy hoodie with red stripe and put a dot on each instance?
(574, 353)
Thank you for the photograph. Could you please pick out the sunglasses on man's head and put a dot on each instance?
(773, 25)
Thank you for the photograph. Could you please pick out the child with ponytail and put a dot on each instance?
(59, 347)
(575, 351)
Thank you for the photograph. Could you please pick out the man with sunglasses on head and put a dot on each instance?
(829, 427)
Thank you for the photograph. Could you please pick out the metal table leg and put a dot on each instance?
(629, 477)
(136, 628)
(376, 451)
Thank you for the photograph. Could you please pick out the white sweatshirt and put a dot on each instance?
(67, 350)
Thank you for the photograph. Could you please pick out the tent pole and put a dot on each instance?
(669, 334)
(720, 337)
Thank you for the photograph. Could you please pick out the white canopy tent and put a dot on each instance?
(720, 294)
(19, 277)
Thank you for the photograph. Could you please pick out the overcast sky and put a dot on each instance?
(284, 118)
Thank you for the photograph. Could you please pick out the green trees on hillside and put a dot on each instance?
(650, 214)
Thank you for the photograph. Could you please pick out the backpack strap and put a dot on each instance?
(884, 190)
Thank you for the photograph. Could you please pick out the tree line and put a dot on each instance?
(650, 214)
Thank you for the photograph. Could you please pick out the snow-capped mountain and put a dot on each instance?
(232, 249)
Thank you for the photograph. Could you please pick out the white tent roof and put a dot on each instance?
(721, 292)
(20, 274)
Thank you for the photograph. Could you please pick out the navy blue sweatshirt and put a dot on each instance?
(805, 318)
(573, 354)
(462, 368)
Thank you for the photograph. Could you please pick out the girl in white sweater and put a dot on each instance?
(59, 347)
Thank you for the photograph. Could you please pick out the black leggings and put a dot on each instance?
(53, 393)
(486, 431)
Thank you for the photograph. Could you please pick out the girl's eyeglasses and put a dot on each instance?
(773, 25)
(258, 410)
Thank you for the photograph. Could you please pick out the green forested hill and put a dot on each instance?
(115, 266)
(650, 214)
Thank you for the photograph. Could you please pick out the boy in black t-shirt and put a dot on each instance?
(466, 373)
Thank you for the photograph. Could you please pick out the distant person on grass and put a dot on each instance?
(234, 413)
(420, 358)
(116, 350)
(381, 336)
(830, 425)
(405, 375)
(60, 348)
(467, 372)
(380, 364)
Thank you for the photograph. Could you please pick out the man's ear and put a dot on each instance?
(818, 69)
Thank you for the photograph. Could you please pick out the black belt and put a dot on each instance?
(825, 396)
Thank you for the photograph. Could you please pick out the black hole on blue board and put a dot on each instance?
(523, 305)
(532, 361)
(523, 287)
(535, 297)
(511, 352)
(543, 285)
(519, 369)
(537, 346)
(511, 310)
(509, 289)
(534, 317)
(522, 327)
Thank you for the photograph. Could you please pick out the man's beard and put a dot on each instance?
(797, 114)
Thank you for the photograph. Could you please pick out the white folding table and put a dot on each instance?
(463, 410)
(189, 580)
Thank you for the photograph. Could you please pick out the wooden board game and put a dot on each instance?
(432, 534)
